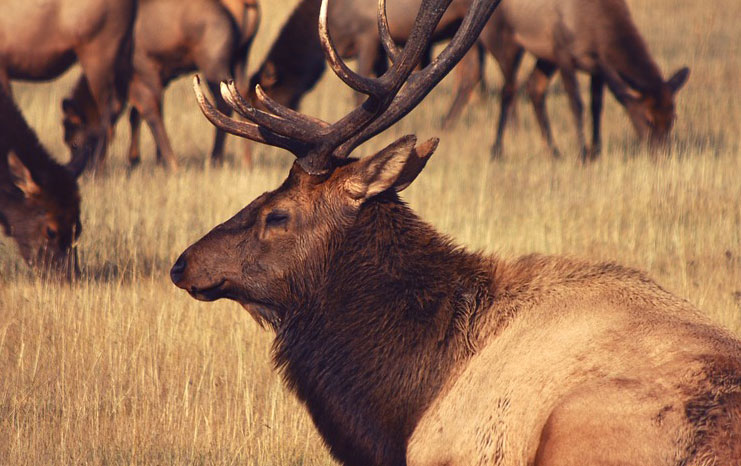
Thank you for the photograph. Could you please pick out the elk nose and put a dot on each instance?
(178, 270)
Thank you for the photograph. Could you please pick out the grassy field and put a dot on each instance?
(123, 368)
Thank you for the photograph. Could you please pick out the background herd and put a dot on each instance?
(676, 215)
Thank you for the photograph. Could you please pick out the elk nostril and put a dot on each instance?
(178, 270)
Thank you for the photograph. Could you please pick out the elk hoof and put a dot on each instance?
(496, 152)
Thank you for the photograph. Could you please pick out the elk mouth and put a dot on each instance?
(211, 293)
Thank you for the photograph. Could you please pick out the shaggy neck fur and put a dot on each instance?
(370, 349)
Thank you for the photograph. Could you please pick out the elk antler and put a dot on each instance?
(314, 141)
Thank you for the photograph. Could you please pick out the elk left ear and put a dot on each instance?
(375, 174)
(678, 79)
(21, 177)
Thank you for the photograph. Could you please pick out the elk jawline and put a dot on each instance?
(211, 293)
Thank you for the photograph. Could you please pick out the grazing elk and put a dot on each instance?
(172, 37)
(598, 37)
(41, 40)
(39, 199)
(407, 349)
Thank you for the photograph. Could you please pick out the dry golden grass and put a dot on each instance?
(123, 368)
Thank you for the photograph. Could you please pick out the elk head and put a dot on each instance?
(43, 221)
(652, 113)
(39, 199)
(274, 252)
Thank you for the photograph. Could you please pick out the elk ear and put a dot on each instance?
(678, 79)
(415, 163)
(21, 177)
(375, 174)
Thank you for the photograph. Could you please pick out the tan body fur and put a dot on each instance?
(595, 364)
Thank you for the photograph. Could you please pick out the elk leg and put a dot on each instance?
(217, 152)
(369, 51)
(509, 61)
(571, 84)
(537, 87)
(467, 73)
(597, 86)
(134, 147)
(148, 101)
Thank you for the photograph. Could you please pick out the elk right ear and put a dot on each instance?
(21, 177)
(387, 169)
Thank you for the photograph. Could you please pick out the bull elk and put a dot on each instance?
(389, 332)
(39, 199)
(172, 37)
(598, 37)
(41, 40)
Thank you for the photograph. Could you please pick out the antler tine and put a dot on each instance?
(244, 129)
(392, 81)
(360, 83)
(303, 130)
(392, 50)
(422, 82)
(283, 111)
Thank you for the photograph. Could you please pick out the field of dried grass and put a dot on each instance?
(123, 368)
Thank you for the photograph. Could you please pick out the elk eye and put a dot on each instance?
(276, 218)
(51, 233)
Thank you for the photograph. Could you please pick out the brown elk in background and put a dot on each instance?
(407, 349)
(598, 37)
(39, 199)
(173, 37)
(41, 40)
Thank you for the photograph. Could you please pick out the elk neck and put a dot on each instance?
(626, 50)
(396, 313)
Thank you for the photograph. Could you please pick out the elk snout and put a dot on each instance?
(178, 270)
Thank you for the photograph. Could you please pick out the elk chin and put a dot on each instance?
(209, 293)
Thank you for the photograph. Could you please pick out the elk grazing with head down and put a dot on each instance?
(407, 349)
(39, 199)
(598, 37)
(172, 37)
(41, 40)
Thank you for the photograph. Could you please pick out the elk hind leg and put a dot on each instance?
(147, 98)
(509, 61)
(597, 88)
(537, 88)
(571, 84)
(468, 73)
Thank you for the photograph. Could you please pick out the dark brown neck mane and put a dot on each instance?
(18, 137)
(627, 51)
(296, 55)
(421, 297)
